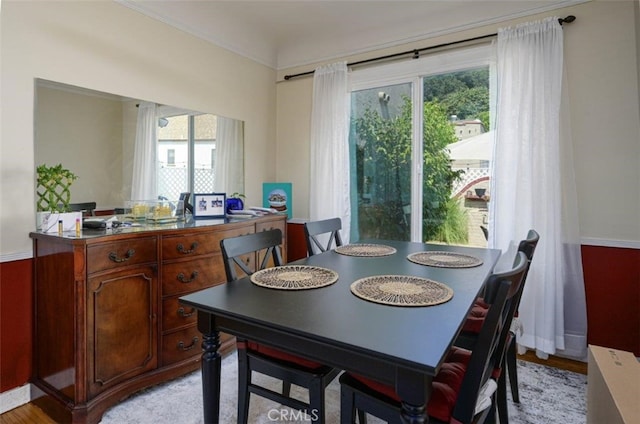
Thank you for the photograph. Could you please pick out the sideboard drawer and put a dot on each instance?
(181, 345)
(176, 315)
(174, 247)
(189, 276)
(101, 257)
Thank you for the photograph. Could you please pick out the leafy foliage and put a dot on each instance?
(455, 228)
(53, 184)
(384, 170)
(438, 177)
(464, 94)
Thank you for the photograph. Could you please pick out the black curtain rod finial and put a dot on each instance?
(568, 19)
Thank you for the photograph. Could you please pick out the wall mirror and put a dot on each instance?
(96, 134)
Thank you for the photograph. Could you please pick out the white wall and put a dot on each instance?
(108, 47)
(601, 63)
(111, 48)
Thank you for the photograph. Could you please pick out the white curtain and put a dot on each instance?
(229, 165)
(533, 185)
(329, 191)
(144, 181)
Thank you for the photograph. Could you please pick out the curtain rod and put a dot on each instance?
(416, 52)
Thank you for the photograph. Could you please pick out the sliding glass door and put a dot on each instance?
(405, 120)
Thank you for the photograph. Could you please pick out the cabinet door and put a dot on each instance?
(122, 336)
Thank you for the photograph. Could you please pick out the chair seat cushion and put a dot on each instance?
(446, 385)
(475, 319)
(279, 354)
(481, 303)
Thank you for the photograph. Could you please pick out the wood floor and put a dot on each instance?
(556, 362)
(29, 413)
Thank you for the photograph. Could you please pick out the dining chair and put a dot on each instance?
(461, 390)
(474, 321)
(289, 368)
(314, 229)
(87, 208)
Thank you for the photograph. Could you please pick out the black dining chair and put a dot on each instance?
(87, 208)
(239, 254)
(474, 321)
(314, 229)
(458, 393)
(184, 196)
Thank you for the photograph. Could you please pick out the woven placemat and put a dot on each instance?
(365, 249)
(294, 277)
(445, 259)
(401, 290)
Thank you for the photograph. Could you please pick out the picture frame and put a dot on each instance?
(209, 205)
(277, 196)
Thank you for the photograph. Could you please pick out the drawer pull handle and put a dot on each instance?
(181, 345)
(114, 256)
(181, 249)
(182, 278)
(184, 314)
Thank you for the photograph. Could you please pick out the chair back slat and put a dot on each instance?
(235, 249)
(314, 229)
(528, 247)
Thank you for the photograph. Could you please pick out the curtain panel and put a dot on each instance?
(229, 165)
(329, 184)
(533, 186)
(144, 181)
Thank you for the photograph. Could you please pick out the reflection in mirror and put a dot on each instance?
(103, 139)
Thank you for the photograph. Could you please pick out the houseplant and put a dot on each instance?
(54, 196)
(53, 188)
(235, 202)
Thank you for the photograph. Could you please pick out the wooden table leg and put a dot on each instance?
(211, 366)
(414, 389)
(413, 414)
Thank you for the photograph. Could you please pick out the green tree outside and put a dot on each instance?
(383, 160)
(464, 94)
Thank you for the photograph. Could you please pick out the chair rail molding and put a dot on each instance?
(16, 256)
(621, 244)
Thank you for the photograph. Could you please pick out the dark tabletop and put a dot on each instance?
(417, 337)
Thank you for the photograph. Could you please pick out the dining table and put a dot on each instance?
(349, 324)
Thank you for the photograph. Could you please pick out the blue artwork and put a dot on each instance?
(277, 196)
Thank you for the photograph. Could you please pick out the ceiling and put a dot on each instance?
(289, 33)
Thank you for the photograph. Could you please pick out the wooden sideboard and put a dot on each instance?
(107, 321)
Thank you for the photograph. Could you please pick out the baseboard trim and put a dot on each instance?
(15, 397)
(575, 347)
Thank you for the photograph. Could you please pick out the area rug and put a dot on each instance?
(547, 396)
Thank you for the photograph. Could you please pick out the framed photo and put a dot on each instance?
(209, 205)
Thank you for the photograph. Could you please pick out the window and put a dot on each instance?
(404, 119)
(187, 141)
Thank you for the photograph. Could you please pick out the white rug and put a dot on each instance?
(547, 396)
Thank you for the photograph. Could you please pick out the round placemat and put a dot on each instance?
(444, 259)
(365, 249)
(294, 277)
(401, 290)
